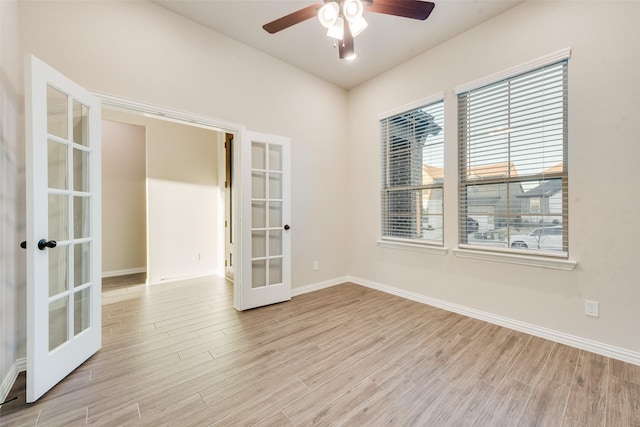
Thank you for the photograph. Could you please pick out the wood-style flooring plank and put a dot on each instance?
(161, 410)
(347, 404)
(505, 405)
(179, 354)
(386, 409)
(587, 401)
(127, 414)
(546, 404)
(278, 419)
(531, 361)
(401, 364)
(340, 359)
(494, 366)
(307, 405)
(60, 416)
(623, 403)
(120, 390)
(260, 376)
(626, 371)
(427, 398)
(252, 410)
(464, 403)
(561, 364)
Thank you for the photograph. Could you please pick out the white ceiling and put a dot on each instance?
(387, 42)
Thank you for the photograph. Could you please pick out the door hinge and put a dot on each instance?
(226, 223)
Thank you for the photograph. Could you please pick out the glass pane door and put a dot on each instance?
(68, 188)
(266, 214)
(265, 235)
(63, 226)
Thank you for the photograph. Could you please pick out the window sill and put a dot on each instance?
(411, 246)
(534, 261)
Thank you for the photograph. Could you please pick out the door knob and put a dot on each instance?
(286, 227)
(23, 244)
(43, 244)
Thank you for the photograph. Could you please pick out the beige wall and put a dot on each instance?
(12, 259)
(124, 198)
(180, 201)
(183, 194)
(154, 56)
(604, 157)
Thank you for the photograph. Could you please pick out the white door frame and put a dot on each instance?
(196, 120)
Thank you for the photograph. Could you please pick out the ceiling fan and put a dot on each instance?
(343, 18)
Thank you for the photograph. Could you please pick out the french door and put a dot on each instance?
(63, 226)
(265, 229)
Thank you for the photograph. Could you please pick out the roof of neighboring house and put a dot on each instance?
(434, 173)
(554, 169)
(493, 170)
(544, 189)
(483, 200)
(431, 174)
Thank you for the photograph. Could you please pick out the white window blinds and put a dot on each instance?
(513, 162)
(412, 145)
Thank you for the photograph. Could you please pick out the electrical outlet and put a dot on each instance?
(591, 308)
(316, 266)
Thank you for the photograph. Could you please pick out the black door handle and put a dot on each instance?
(43, 244)
(286, 227)
(23, 244)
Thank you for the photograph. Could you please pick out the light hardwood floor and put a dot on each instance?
(179, 354)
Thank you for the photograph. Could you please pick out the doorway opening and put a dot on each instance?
(167, 201)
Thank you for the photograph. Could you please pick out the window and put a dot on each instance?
(534, 204)
(513, 162)
(413, 173)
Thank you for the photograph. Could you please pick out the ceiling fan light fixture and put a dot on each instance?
(336, 31)
(357, 26)
(328, 14)
(344, 19)
(352, 9)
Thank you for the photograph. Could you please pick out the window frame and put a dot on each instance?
(507, 254)
(411, 244)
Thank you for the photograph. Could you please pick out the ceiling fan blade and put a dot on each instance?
(292, 19)
(415, 9)
(345, 46)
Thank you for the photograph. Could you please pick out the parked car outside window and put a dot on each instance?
(545, 238)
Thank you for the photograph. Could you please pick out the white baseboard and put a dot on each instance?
(114, 273)
(198, 276)
(539, 331)
(317, 286)
(9, 379)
